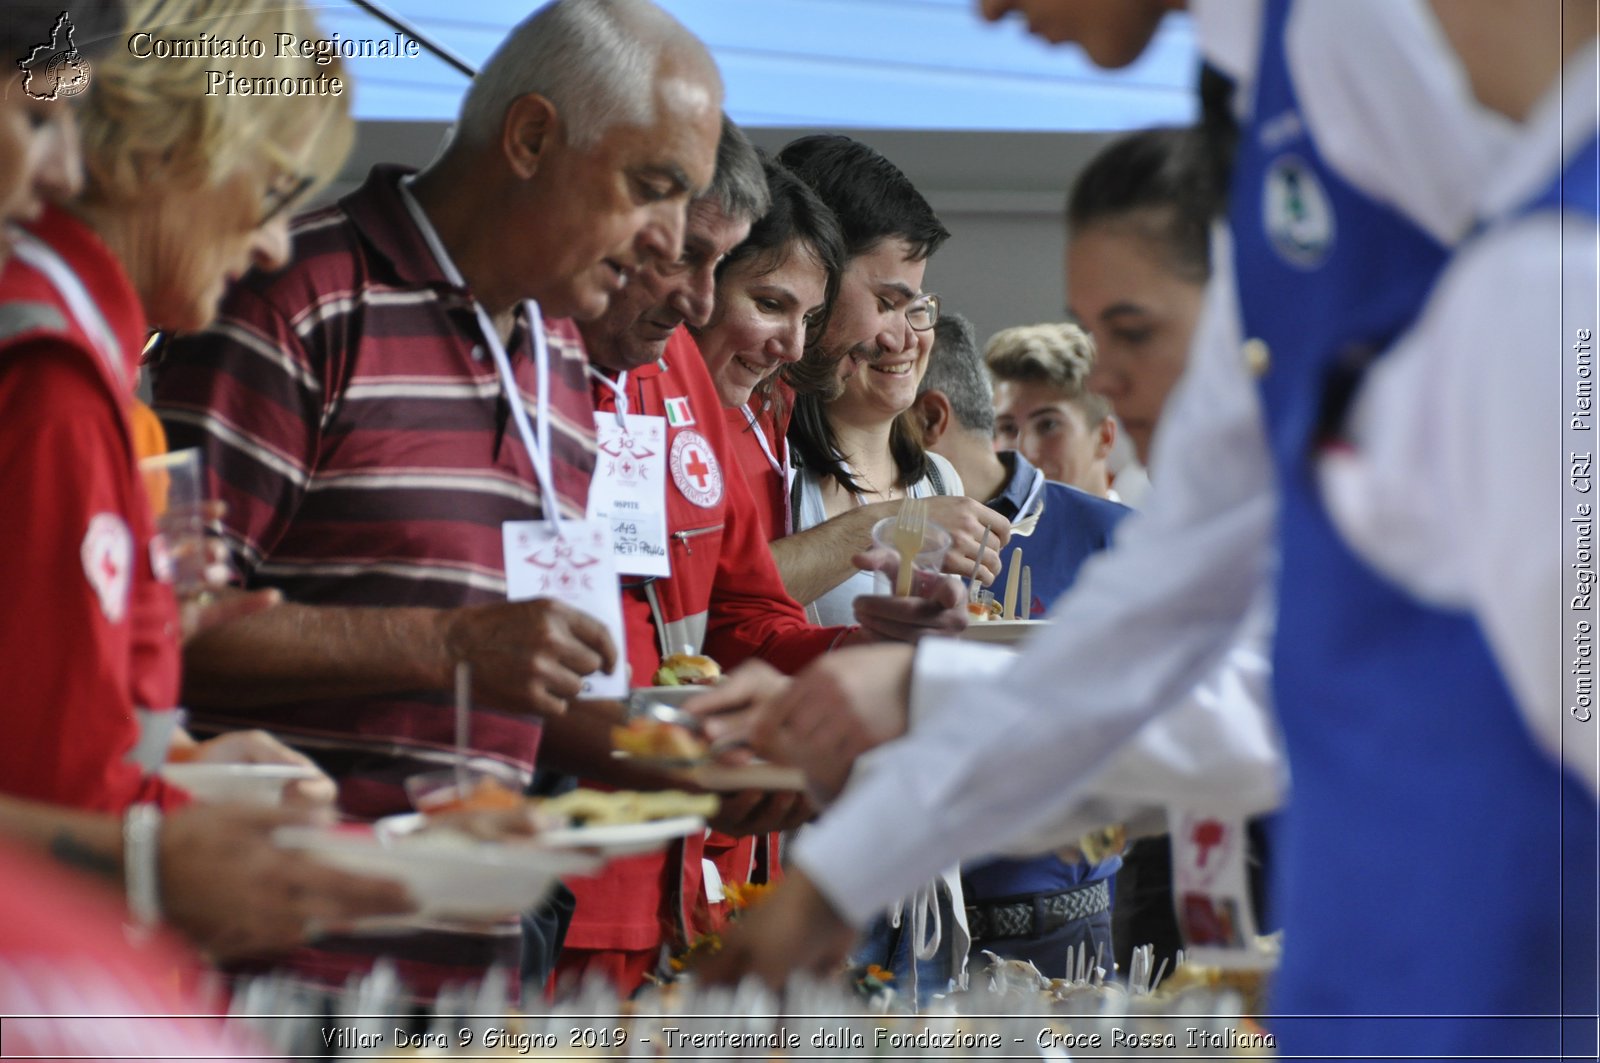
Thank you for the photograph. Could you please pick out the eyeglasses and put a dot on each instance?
(282, 194)
(923, 313)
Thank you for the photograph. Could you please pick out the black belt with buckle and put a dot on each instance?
(1038, 915)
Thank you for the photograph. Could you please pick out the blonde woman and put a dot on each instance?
(1044, 408)
(182, 192)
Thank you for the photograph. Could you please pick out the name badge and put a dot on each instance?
(629, 490)
(574, 565)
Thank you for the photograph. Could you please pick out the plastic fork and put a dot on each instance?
(910, 525)
(974, 588)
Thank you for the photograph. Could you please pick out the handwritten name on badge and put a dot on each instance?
(629, 489)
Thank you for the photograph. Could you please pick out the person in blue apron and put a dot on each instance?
(1368, 182)
(1327, 278)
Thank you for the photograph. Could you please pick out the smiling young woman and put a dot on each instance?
(774, 291)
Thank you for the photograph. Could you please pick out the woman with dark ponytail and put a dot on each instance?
(1138, 259)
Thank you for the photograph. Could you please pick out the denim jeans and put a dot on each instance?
(890, 947)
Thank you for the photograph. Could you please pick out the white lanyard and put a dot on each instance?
(1034, 492)
(781, 467)
(538, 447)
(617, 387)
(43, 258)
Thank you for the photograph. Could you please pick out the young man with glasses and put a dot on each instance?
(890, 234)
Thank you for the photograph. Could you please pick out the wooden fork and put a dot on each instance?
(909, 527)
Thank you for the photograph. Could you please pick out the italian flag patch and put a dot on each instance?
(678, 413)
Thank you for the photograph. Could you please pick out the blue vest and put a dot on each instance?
(1074, 526)
(1419, 866)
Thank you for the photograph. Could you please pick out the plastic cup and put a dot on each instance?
(175, 485)
(929, 559)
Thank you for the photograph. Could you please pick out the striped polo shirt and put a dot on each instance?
(354, 422)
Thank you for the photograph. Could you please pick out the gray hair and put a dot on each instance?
(595, 60)
(739, 185)
(955, 367)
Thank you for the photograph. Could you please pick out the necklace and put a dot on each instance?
(871, 488)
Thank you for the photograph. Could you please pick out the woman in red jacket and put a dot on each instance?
(174, 206)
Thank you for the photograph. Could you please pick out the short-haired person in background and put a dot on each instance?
(853, 448)
(1044, 408)
(955, 415)
(92, 627)
(1035, 907)
(356, 410)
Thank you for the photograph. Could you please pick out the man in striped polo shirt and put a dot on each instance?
(352, 412)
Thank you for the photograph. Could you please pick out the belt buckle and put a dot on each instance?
(1045, 919)
(1050, 913)
(977, 922)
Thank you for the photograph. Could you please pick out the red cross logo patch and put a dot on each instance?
(695, 470)
(107, 555)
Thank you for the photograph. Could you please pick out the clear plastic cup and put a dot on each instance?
(929, 559)
(175, 484)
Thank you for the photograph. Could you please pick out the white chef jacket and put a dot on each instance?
(1478, 400)
(1388, 104)
(1219, 750)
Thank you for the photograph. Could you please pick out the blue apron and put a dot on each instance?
(1419, 866)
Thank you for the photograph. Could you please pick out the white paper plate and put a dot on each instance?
(251, 784)
(1007, 632)
(710, 775)
(452, 876)
(623, 839)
